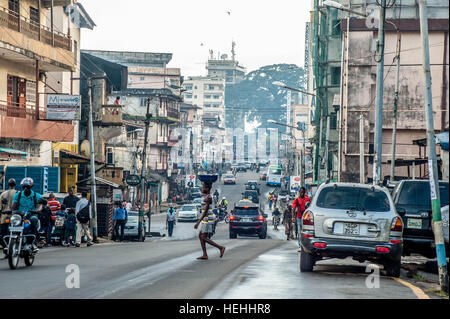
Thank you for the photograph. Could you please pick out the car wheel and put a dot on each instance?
(393, 267)
(233, 235)
(262, 235)
(306, 262)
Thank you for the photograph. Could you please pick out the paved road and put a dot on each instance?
(167, 268)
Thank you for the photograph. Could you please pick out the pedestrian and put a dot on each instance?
(6, 201)
(270, 198)
(120, 218)
(129, 206)
(287, 221)
(45, 217)
(207, 220)
(71, 223)
(299, 206)
(83, 215)
(71, 200)
(55, 207)
(170, 220)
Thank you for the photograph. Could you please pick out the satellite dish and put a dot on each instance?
(85, 148)
(224, 56)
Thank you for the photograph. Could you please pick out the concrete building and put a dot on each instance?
(344, 74)
(38, 57)
(224, 68)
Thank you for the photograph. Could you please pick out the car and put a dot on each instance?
(263, 176)
(352, 220)
(284, 194)
(241, 167)
(248, 165)
(194, 192)
(229, 179)
(252, 185)
(412, 200)
(252, 196)
(188, 213)
(247, 218)
(132, 226)
(198, 202)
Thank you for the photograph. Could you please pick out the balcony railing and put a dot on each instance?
(25, 111)
(112, 114)
(34, 30)
(173, 113)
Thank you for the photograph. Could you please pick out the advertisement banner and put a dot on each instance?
(63, 107)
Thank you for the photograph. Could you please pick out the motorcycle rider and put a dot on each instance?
(27, 201)
(276, 218)
(224, 203)
(216, 195)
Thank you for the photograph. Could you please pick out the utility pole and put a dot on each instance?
(92, 151)
(362, 172)
(303, 154)
(327, 137)
(318, 109)
(394, 125)
(379, 96)
(148, 116)
(431, 148)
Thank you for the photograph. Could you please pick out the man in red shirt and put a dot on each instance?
(54, 205)
(299, 206)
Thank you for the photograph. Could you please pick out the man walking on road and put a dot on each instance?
(299, 206)
(207, 220)
(83, 214)
(120, 218)
(171, 216)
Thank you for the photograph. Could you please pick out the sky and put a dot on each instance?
(266, 32)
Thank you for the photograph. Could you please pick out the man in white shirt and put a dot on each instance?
(83, 214)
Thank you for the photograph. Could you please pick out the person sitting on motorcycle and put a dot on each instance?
(45, 217)
(26, 201)
(224, 203)
(276, 216)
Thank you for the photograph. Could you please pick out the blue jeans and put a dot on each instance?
(299, 229)
(170, 225)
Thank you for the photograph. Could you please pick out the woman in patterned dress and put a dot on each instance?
(207, 220)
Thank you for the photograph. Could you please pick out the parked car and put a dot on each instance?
(253, 185)
(412, 199)
(247, 218)
(194, 192)
(229, 179)
(188, 213)
(263, 176)
(352, 220)
(132, 226)
(198, 202)
(252, 196)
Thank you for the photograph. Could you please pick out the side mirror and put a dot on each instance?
(401, 211)
(265, 215)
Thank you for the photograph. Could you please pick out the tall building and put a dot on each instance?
(222, 67)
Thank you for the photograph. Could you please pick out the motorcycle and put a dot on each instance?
(222, 213)
(276, 220)
(20, 240)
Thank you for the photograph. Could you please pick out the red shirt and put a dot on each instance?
(55, 206)
(300, 204)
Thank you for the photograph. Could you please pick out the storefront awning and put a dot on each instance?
(68, 157)
(7, 153)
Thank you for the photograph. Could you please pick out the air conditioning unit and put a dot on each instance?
(55, 157)
(109, 156)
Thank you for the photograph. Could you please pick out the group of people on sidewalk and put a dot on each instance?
(75, 211)
(292, 214)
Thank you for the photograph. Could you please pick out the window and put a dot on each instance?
(353, 198)
(188, 87)
(195, 96)
(335, 75)
(188, 96)
(14, 6)
(229, 79)
(336, 27)
(75, 51)
(333, 121)
(195, 87)
(229, 73)
(216, 97)
(142, 78)
(207, 96)
(211, 87)
(207, 105)
(418, 193)
(216, 105)
(250, 211)
(34, 15)
(143, 101)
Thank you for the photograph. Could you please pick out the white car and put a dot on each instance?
(229, 179)
(188, 213)
(131, 227)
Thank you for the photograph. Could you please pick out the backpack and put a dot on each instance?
(83, 214)
(34, 199)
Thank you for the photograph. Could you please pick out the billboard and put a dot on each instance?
(63, 107)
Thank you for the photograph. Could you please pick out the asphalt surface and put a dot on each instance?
(167, 268)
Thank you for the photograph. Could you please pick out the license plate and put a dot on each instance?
(246, 220)
(351, 229)
(414, 223)
(15, 229)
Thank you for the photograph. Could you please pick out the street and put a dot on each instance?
(167, 268)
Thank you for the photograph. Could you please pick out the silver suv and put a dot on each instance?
(352, 220)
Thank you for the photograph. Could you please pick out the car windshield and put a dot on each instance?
(229, 176)
(418, 193)
(353, 198)
(252, 211)
(133, 214)
(188, 208)
(195, 190)
(198, 200)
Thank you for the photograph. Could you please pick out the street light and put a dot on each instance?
(339, 6)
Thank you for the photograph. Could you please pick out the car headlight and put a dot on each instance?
(15, 220)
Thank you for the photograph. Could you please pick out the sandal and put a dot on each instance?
(202, 258)
(222, 251)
